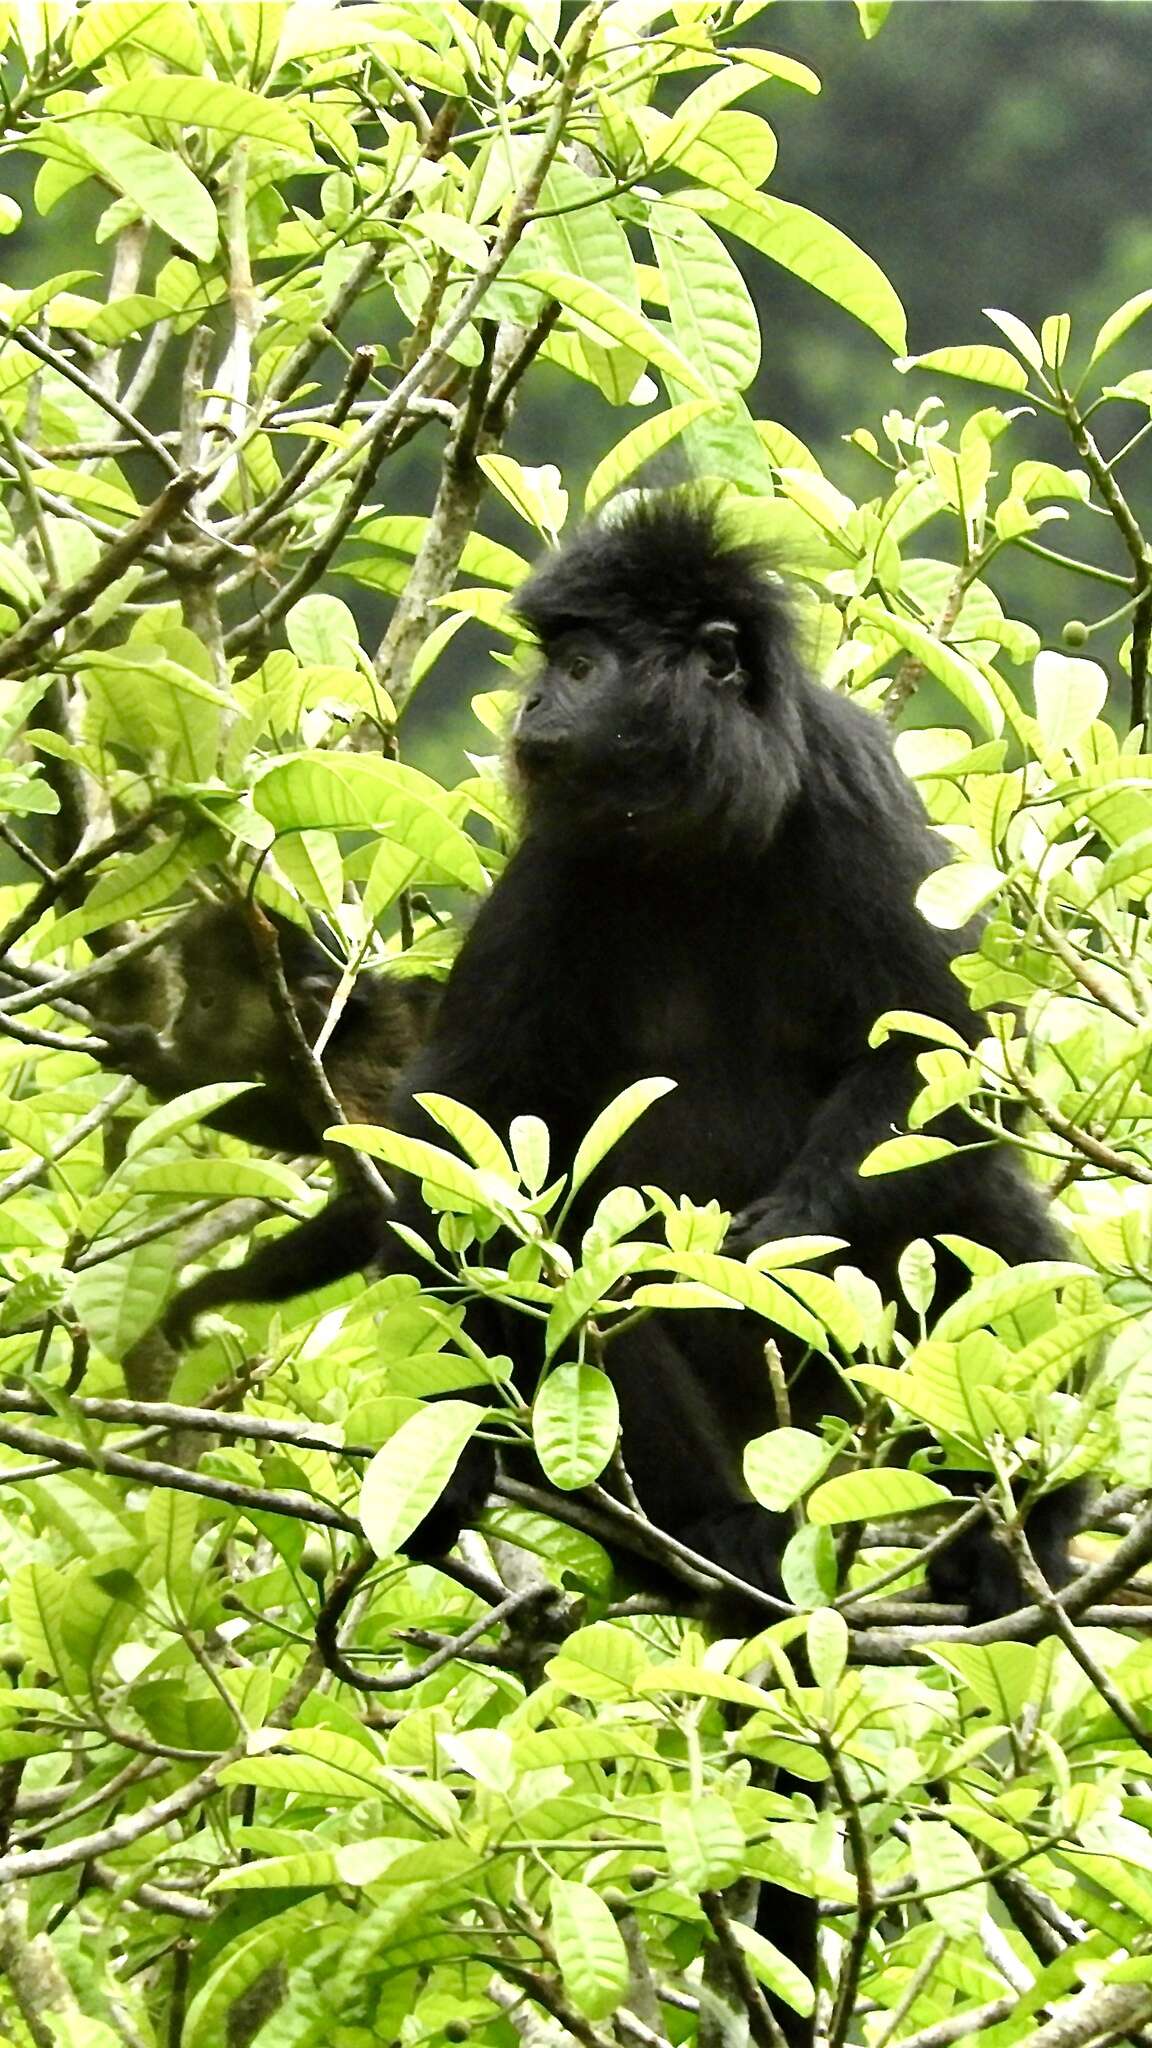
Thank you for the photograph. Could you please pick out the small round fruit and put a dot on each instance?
(643, 1877)
(1074, 633)
(458, 2030)
(316, 1556)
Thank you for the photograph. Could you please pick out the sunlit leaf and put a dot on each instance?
(589, 1949)
(813, 250)
(225, 109)
(874, 1496)
(605, 319)
(781, 1466)
(406, 1478)
(575, 1423)
(980, 362)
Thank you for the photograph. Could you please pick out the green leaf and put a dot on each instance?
(704, 1840)
(1118, 323)
(360, 792)
(872, 14)
(585, 239)
(135, 883)
(1021, 336)
(952, 895)
(589, 1284)
(224, 109)
(322, 633)
(808, 1568)
(942, 1857)
(826, 1641)
(1070, 693)
(167, 27)
(917, 1026)
(613, 1123)
(1130, 863)
(157, 181)
(489, 559)
(713, 317)
(528, 1137)
(121, 1298)
(1133, 1455)
(1004, 1294)
(962, 677)
(607, 321)
(780, 1466)
(751, 1287)
(874, 1497)
(472, 1133)
(700, 1681)
(536, 494)
(406, 1478)
(575, 1423)
(916, 1271)
(183, 1110)
(601, 1662)
(981, 362)
(267, 1180)
(639, 446)
(1000, 1674)
(453, 1183)
(772, 1967)
(240, 1964)
(589, 1949)
(153, 705)
(895, 1155)
(812, 249)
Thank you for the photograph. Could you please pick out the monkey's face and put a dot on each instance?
(225, 1029)
(660, 741)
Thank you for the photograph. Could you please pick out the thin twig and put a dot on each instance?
(17, 652)
(83, 1128)
(762, 2025)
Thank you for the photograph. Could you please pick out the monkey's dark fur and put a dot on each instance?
(225, 1028)
(716, 883)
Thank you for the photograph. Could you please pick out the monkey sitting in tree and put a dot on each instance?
(225, 1028)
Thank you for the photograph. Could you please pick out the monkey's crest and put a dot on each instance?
(658, 571)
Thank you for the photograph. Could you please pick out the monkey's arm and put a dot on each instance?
(879, 954)
(821, 1189)
(342, 1239)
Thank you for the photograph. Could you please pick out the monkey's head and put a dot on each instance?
(226, 1028)
(665, 708)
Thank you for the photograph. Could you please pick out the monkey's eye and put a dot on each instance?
(579, 666)
(718, 642)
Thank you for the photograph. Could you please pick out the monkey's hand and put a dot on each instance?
(774, 1216)
(139, 1050)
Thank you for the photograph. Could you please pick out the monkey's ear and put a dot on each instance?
(719, 645)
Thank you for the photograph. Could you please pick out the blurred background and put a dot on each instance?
(985, 152)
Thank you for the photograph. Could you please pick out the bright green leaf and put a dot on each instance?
(406, 1478)
(874, 1496)
(575, 1423)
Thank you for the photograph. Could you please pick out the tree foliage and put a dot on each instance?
(262, 1780)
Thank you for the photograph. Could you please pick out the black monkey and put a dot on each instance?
(716, 882)
(225, 1028)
